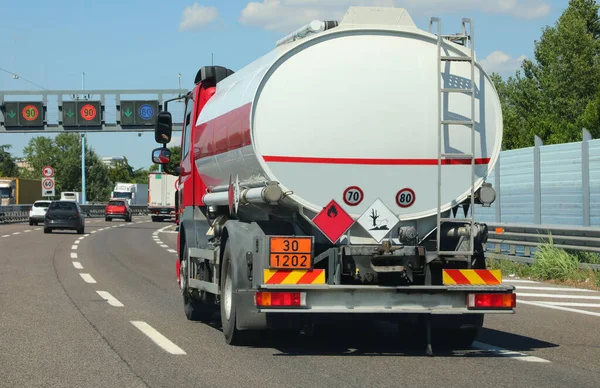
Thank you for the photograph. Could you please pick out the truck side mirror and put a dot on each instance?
(163, 128)
(161, 155)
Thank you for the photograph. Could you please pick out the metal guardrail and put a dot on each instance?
(507, 239)
(20, 213)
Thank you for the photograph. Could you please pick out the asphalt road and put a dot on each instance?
(104, 310)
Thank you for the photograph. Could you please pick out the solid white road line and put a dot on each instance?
(570, 304)
(110, 299)
(158, 338)
(87, 278)
(171, 250)
(557, 296)
(507, 353)
(73, 255)
(77, 265)
(554, 289)
(541, 304)
(518, 281)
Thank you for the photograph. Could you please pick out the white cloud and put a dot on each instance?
(287, 15)
(196, 16)
(502, 63)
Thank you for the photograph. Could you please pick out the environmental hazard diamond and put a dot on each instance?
(378, 220)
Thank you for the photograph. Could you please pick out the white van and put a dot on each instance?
(70, 196)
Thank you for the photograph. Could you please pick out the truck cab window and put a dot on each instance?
(187, 130)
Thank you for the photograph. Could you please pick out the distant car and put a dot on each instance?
(117, 208)
(38, 211)
(65, 215)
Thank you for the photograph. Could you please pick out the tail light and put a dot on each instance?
(483, 301)
(280, 299)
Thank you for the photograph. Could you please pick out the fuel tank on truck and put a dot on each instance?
(354, 105)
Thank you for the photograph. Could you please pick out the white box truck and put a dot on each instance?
(161, 195)
(133, 193)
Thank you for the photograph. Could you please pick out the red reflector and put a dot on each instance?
(492, 300)
(278, 299)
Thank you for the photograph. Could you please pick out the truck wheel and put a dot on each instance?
(194, 309)
(233, 336)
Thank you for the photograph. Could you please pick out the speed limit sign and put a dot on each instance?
(48, 189)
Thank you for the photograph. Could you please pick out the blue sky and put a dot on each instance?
(143, 44)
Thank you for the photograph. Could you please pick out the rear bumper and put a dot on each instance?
(63, 224)
(37, 218)
(116, 215)
(381, 301)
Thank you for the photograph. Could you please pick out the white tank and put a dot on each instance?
(354, 106)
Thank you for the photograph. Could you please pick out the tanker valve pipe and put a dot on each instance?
(271, 194)
(311, 28)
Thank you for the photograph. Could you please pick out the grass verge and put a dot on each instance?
(552, 265)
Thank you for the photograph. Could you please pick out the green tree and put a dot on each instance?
(64, 154)
(140, 176)
(558, 92)
(8, 167)
(121, 172)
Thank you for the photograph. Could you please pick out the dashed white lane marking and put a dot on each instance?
(562, 289)
(87, 278)
(77, 265)
(110, 299)
(75, 247)
(158, 338)
(6, 235)
(73, 255)
(78, 241)
(28, 230)
(80, 238)
(164, 246)
(557, 296)
(542, 304)
(85, 235)
(507, 353)
(93, 231)
(171, 251)
(38, 228)
(17, 233)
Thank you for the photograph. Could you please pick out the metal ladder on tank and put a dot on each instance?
(464, 38)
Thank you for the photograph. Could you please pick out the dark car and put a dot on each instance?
(66, 215)
(117, 208)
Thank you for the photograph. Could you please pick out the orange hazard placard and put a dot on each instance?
(290, 252)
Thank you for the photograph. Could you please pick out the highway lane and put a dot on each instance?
(133, 276)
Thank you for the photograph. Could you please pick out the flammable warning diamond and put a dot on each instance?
(333, 221)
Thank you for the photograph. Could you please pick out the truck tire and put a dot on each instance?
(233, 336)
(195, 310)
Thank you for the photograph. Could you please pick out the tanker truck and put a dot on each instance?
(337, 177)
